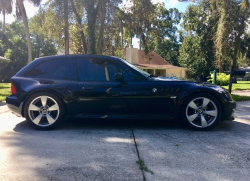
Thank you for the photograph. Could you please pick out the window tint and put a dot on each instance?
(127, 72)
(64, 69)
(92, 70)
(101, 70)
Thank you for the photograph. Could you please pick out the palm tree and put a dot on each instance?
(5, 7)
(22, 12)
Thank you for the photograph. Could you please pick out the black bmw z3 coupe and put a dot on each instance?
(49, 88)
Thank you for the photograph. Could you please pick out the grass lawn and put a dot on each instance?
(240, 98)
(241, 85)
(4, 91)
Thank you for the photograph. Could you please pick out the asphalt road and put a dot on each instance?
(105, 150)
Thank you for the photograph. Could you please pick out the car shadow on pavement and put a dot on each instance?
(2, 104)
(106, 124)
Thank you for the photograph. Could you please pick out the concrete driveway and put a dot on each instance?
(107, 150)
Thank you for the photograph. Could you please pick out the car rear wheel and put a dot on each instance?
(44, 111)
(201, 112)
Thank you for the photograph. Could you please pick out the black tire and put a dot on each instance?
(53, 112)
(207, 116)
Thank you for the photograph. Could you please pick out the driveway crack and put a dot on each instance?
(138, 153)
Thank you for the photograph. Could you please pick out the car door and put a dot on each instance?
(98, 93)
(134, 89)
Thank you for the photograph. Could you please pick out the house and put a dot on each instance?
(2, 59)
(153, 63)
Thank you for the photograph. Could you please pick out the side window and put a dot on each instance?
(64, 69)
(127, 72)
(92, 70)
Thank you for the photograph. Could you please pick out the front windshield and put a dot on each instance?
(136, 68)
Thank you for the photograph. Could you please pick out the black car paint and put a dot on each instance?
(143, 99)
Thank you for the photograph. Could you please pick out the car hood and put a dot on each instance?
(196, 83)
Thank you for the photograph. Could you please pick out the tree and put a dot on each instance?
(14, 48)
(244, 12)
(22, 12)
(5, 7)
(197, 50)
(92, 8)
(193, 57)
(79, 21)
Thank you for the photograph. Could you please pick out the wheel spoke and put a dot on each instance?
(34, 108)
(44, 100)
(192, 117)
(211, 113)
(203, 122)
(193, 105)
(38, 119)
(50, 119)
(54, 108)
(205, 102)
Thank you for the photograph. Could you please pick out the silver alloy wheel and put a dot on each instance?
(201, 112)
(43, 111)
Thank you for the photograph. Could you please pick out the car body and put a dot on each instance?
(48, 88)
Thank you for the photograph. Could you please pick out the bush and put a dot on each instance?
(221, 79)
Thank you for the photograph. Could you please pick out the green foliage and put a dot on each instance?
(221, 79)
(144, 167)
(14, 47)
(169, 50)
(193, 57)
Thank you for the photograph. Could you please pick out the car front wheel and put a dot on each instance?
(201, 112)
(44, 111)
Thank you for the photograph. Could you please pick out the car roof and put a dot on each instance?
(75, 56)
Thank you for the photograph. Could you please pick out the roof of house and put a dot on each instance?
(3, 59)
(152, 60)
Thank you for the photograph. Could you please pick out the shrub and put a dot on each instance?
(221, 79)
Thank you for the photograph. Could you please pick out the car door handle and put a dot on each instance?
(87, 88)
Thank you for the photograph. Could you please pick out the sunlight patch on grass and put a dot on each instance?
(240, 98)
(241, 85)
(5, 91)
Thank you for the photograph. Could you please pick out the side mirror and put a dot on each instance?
(119, 77)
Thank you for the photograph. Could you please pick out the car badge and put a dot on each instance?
(154, 90)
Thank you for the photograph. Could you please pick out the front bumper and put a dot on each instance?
(15, 105)
(228, 110)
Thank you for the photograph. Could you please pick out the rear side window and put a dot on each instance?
(92, 70)
(63, 69)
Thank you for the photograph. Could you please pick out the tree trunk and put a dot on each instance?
(238, 41)
(91, 16)
(100, 43)
(3, 20)
(221, 65)
(121, 34)
(78, 19)
(66, 27)
(26, 26)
